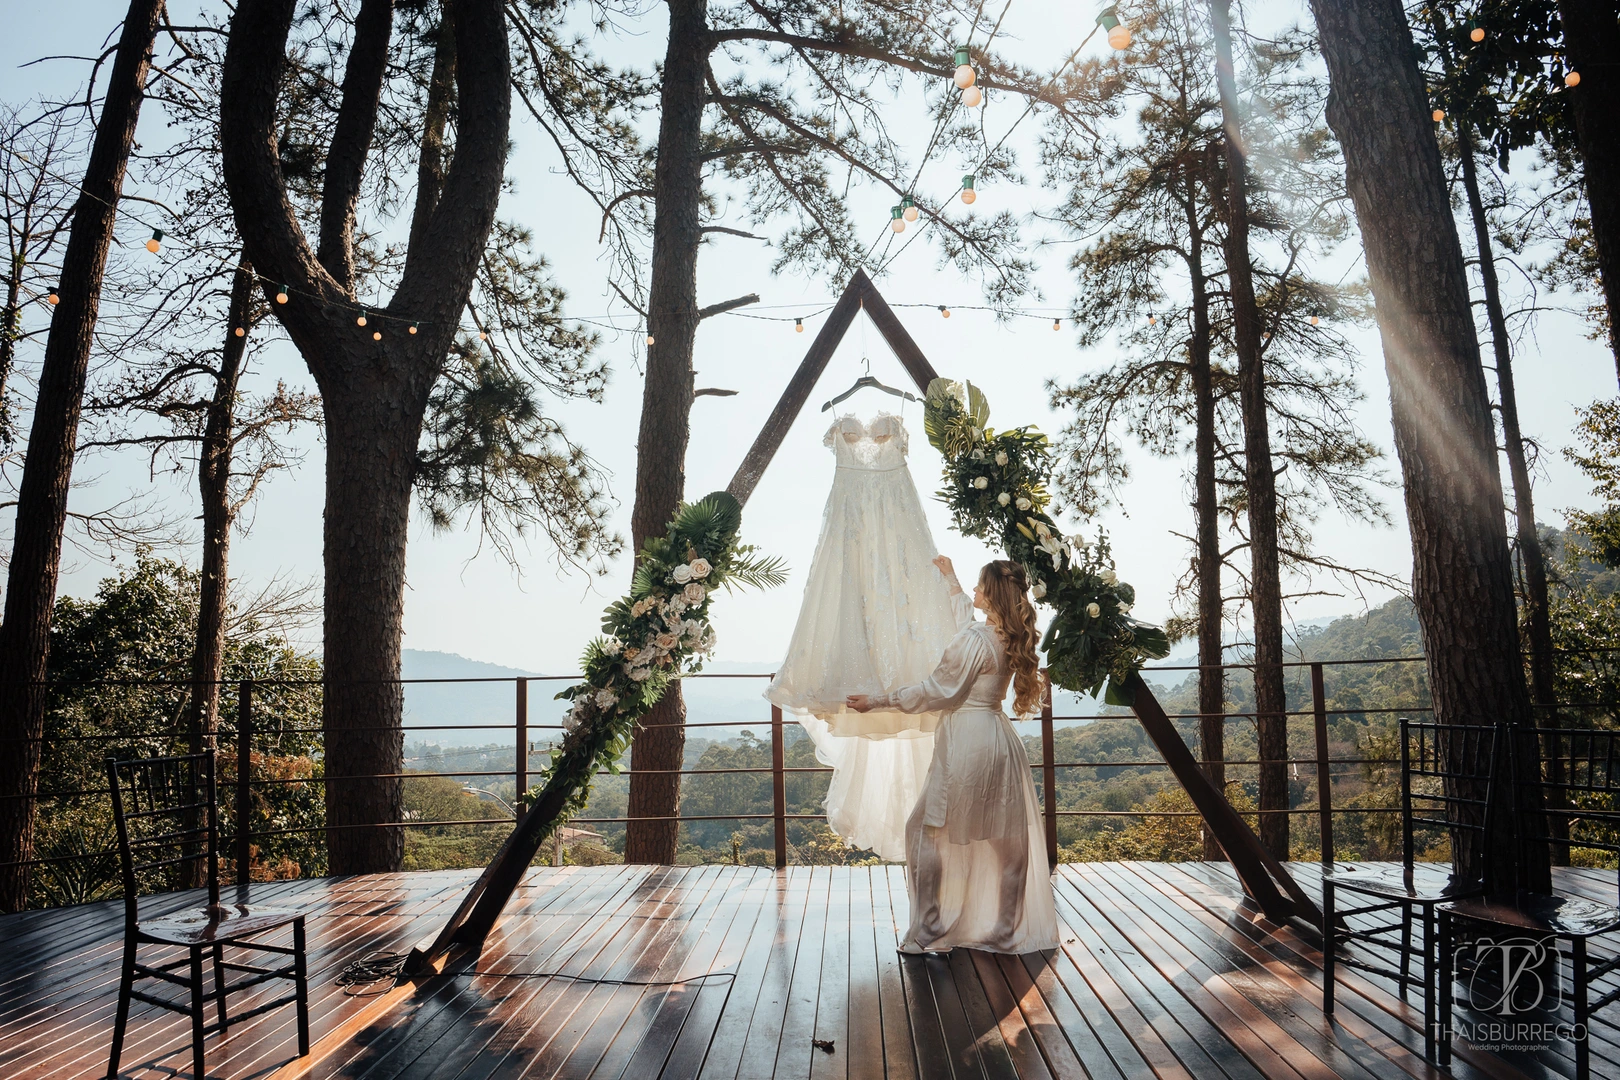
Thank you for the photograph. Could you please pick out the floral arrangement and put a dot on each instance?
(995, 486)
(657, 633)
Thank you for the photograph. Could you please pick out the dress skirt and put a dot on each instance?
(975, 857)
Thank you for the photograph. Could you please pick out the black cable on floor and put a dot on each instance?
(379, 966)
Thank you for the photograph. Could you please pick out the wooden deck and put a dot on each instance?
(1163, 971)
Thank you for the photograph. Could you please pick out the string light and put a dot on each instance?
(281, 294)
(1057, 324)
(897, 222)
(1153, 320)
(155, 244)
(944, 311)
(414, 327)
(968, 194)
(53, 299)
(1439, 115)
(649, 339)
(798, 326)
(376, 335)
(1119, 35)
(909, 209)
(1476, 33)
(965, 75)
(482, 336)
(240, 332)
(1315, 321)
(972, 96)
(1572, 79)
(361, 321)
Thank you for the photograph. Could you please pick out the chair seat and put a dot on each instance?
(1565, 916)
(1429, 882)
(205, 926)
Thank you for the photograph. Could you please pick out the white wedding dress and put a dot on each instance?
(976, 870)
(876, 616)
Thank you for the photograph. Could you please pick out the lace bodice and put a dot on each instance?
(879, 445)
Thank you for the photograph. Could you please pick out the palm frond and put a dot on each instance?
(757, 572)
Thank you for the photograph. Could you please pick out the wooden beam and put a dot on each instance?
(798, 389)
(916, 364)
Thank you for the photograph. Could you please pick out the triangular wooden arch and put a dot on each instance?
(1264, 878)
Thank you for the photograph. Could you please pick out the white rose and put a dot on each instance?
(981, 482)
(640, 674)
(1024, 504)
(1004, 498)
(1001, 457)
(606, 698)
(701, 568)
(667, 642)
(694, 593)
(1093, 610)
(676, 605)
(693, 629)
(682, 574)
(1039, 590)
(1109, 577)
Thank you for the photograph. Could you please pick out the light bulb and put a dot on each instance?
(53, 299)
(1439, 115)
(1572, 79)
(361, 321)
(281, 294)
(944, 312)
(968, 194)
(413, 328)
(483, 336)
(909, 209)
(1057, 324)
(240, 332)
(376, 335)
(798, 326)
(1153, 320)
(156, 243)
(1477, 34)
(972, 96)
(1266, 336)
(896, 221)
(1315, 321)
(965, 75)
(1120, 37)
(649, 339)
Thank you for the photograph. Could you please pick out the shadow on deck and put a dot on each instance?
(1163, 971)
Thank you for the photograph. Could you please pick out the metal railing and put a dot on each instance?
(239, 844)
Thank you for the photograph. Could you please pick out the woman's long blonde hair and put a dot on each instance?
(1006, 591)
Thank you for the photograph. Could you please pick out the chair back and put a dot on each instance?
(168, 824)
(1447, 773)
(1580, 781)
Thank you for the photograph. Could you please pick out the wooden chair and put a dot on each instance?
(1579, 780)
(167, 820)
(1447, 772)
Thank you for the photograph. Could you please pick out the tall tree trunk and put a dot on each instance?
(1591, 43)
(1206, 503)
(213, 485)
(666, 403)
(374, 391)
(1265, 575)
(42, 497)
(441, 101)
(1462, 579)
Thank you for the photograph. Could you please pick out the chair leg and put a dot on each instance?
(1406, 947)
(1583, 1041)
(301, 975)
(1330, 944)
(219, 987)
(1428, 982)
(1437, 1039)
(126, 981)
(197, 1004)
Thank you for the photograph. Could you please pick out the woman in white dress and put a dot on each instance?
(976, 867)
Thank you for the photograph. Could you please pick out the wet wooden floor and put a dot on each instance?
(1163, 971)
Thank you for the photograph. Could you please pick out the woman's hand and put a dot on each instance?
(858, 702)
(944, 564)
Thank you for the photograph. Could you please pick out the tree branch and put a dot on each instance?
(727, 305)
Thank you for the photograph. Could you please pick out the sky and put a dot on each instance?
(461, 598)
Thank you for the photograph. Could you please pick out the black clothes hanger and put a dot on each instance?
(868, 381)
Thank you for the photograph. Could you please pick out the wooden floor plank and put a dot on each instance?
(863, 1050)
(832, 1017)
(899, 1049)
(934, 1057)
(1024, 1054)
(793, 1045)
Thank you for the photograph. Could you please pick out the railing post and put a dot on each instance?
(244, 780)
(1048, 769)
(520, 763)
(778, 787)
(1324, 775)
